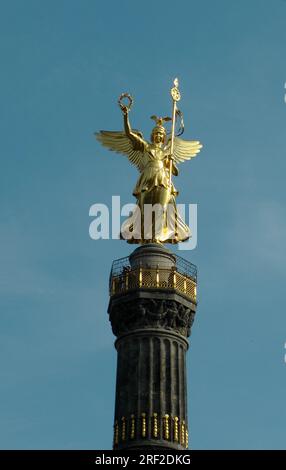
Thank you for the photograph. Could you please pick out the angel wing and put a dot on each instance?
(184, 149)
(119, 142)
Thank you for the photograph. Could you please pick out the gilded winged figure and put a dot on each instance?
(155, 161)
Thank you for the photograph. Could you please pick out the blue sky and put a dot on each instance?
(63, 65)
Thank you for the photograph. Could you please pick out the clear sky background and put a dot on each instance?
(63, 65)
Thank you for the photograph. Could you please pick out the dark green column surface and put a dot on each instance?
(152, 326)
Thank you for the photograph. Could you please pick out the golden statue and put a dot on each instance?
(155, 218)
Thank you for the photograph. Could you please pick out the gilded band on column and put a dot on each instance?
(183, 433)
(143, 429)
(172, 428)
(176, 429)
(155, 425)
(123, 429)
(187, 439)
(132, 430)
(166, 427)
(116, 433)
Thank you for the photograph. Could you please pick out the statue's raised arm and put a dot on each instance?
(130, 142)
(135, 136)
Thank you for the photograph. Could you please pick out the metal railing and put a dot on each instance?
(181, 277)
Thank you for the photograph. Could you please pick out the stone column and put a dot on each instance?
(151, 312)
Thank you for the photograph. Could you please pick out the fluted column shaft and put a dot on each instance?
(151, 395)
